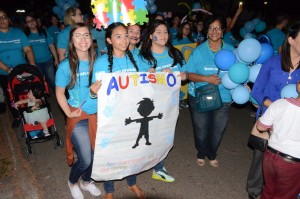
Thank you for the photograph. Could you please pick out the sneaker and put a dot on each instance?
(75, 191)
(46, 133)
(90, 187)
(162, 175)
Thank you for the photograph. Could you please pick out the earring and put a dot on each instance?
(222, 36)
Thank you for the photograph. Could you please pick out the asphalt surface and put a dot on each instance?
(44, 173)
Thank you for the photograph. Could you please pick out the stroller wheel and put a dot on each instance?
(60, 142)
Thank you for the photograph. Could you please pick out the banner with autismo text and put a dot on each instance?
(137, 115)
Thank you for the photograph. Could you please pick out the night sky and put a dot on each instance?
(224, 7)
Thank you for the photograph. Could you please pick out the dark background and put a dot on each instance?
(252, 8)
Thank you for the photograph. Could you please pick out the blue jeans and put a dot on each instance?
(82, 145)
(109, 185)
(209, 128)
(159, 166)
(47, 69)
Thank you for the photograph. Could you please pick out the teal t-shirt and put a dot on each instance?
(163, 61)
(80, 92)
(182, 41)
(54, 31)
(11, 48)
(63, 38)
(40, 46)
(202, 62)
(99, 36)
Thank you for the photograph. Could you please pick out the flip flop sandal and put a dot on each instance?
(214, 163)
(200, 162)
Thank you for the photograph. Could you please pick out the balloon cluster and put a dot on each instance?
(249, 27)
(125, 11)
(242, 66)
(62, 6)
(151, 7)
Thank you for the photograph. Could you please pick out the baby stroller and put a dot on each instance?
(22, 78)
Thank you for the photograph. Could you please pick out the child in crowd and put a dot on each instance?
(35, 115)
(158, 54)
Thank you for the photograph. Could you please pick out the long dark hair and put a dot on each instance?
(147, 44)
(74, 59)
(41, 31)
(286, 62)
(179, 35)
(108, 33)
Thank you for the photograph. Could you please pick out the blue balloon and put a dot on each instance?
(249, 26)
(256, 20)
(152, 9)
(56, 10)
(227, 83)
(266, 53)
(238, 59)
(66, 6)
(289, 91)
(249, 50)
(254, 70)
(260, 26)
(240, 95)
(239, 73)
(196, 5)
(71, 2)
(224, 59)
(150, 2)
(243, 32)
(248, 35)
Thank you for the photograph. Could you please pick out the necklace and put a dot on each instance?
(293, 69)
(219, 48)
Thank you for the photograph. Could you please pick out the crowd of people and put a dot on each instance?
(70, 56)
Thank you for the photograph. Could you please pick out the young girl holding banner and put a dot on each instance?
(74, 74)
(118, 59)
(158, 54)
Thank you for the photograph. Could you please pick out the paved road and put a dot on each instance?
(192, 181)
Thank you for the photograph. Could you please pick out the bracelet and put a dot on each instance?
(93, 96)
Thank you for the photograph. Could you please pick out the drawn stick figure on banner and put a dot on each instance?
(146, 106)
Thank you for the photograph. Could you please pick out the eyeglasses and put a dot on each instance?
(218, 29)
(3, 17)
(79, 36)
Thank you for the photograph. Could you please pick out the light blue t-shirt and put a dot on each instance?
(122, 64)
(40, 46)
(11, 48)
(99, 36)
(63, 38)
(80, 92)
(54, 31)
(163, 61)
(277, 38)
(202, 62)
(173, 32)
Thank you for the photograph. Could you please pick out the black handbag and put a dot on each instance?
(259, 140)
